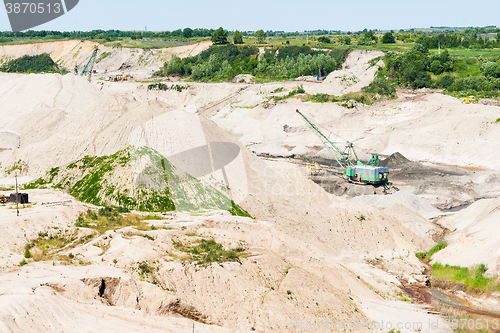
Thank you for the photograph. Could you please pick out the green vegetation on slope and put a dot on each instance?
(224, 62)
(469, 277)
(378, 89)
(428, 255)
(205, 252)
(42, 63)
(108, 218)
(137, 178)
(459, 76)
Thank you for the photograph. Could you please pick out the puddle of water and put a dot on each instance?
(426, 295)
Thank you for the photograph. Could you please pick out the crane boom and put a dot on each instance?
(369, 173)
(89, 66)
(342, 158)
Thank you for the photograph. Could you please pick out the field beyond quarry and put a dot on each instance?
(192, 205)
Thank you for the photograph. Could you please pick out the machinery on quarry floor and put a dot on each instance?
(87, 70)
(354, 170)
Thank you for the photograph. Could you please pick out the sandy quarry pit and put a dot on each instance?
(313, 255)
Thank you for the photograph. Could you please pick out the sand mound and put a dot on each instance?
(140, 62)
(139, 178)
(475, 237)
(394, 161)
(356, 72)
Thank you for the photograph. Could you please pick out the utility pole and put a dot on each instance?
(17, 198)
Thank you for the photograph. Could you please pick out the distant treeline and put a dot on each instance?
(458, 75)
(223, 63)
(186, 33)
(450, 35)
(457, 40)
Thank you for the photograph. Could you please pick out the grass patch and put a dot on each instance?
(472, 278)
(206, 252)
(47, 246)
(236, 210)
(15, 166)
(103, 56)
(321, 98)
(438, 247)
(298, 90)
(153, 217)
(107, 218)
(147, 271)
(428, 255)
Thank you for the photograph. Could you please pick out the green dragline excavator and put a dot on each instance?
(354, 170)
(89, 66)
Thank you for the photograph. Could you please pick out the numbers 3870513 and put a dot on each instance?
(32, 7)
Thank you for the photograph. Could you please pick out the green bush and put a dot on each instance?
(420, 255)
(490, 69)
(319, 98)
(31, 64)
(438, 247)
(224, 62)
(381, 87)
(388, 38)
(445, 81)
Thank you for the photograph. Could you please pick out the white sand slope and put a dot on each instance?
(355, 73)
(140, 63)
(475, 237)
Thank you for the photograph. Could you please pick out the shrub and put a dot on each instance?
(209, 251)
(436, 67)
(31, 64)
(445, 81)
(420, 255)
(27, 253)
(319, 98)
(388, 38)
(438, 247)
(490, 69)
(381, 87)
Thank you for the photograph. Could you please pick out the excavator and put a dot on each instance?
(88, 69)
(353, 169)
(122, 77)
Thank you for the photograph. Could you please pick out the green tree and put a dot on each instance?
(187, 33)
(324, 39)
(388, 38)
(370, 35)
(490, 69)
(436, 67)
(261, 35)
(237, 37)
(346, 40)
(219, 36)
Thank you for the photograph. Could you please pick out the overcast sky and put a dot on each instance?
(272, 15)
